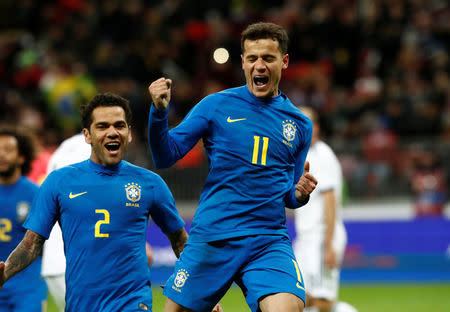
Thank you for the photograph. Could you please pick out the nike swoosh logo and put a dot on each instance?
(234, 120)
(76, 195)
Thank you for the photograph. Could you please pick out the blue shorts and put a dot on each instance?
(260, 265)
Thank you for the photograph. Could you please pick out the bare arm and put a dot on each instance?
(25, 253)
(330, 216)
(177, 240)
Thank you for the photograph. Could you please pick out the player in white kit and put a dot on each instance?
(321, 237)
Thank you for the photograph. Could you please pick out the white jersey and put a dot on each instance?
(325, 167)
(72, 150)
(320, 282)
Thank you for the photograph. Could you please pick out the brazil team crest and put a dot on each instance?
(133, 191)
(180, 279)
(289, 130)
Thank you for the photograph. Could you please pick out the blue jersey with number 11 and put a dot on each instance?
(103, 213)
(256, 150)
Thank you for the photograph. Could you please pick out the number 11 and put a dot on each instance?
(256, 150)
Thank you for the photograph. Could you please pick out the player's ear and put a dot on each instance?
(130, 137)
(87, 136)
(285, 61)
(21, 160)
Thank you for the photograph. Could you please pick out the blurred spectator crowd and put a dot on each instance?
(377, 71)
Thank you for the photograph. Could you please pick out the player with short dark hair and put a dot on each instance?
(26, 291)
(256, 141)
(102, 205)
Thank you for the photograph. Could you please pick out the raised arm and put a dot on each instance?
(25, 253)
(177, 240)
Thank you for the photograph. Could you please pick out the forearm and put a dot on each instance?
(329, 215)
(158, 138)
(177, 240)
(25, 253)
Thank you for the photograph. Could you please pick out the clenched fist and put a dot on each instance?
(160, 92)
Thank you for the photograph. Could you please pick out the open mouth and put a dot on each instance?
(112, 146)
(260, 81)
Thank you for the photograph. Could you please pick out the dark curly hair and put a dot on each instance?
(102, 100)
(26, 143)
(263, 30)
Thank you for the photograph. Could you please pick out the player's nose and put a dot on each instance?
(112, 132)
(260, 65)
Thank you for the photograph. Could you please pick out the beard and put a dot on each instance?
(9, 172)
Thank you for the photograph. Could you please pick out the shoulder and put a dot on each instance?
(145, 174)
(26, 183)
(326, 153)
(72, 150)
(324, 148)
(303, 122)
(293, 111)
(237, 92)
(72, 171)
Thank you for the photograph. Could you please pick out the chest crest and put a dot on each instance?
(289, 132)
(133, 192)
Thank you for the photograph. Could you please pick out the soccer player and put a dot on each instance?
(321, 237)
(70, 151)
(256, 141)
(26, 291)
(102, 205)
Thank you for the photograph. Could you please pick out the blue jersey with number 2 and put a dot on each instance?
(103, 213)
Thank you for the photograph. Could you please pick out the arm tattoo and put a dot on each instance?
(25, 253)
(177, 240)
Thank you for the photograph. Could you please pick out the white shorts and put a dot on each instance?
(57, 288)
(320, 281)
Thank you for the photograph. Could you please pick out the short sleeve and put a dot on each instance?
(44, 209)
(163, 210)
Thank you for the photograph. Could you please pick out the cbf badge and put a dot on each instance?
(289, 130)
(180, 279)
(133, 191)
(22, 210)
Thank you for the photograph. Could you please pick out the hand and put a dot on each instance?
(2, 274)
(306, 184)
(160, 92)
(217, 308)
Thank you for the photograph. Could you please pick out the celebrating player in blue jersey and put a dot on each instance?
(102, 205)
(256, 141)
(26, 291)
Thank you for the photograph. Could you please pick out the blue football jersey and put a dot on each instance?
(256, 150)
(15, 205)
(103, 214)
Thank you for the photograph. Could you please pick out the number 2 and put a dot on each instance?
(5, 227)
(100, 222)
(263, 152)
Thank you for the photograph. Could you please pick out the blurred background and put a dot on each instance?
(378, 72)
